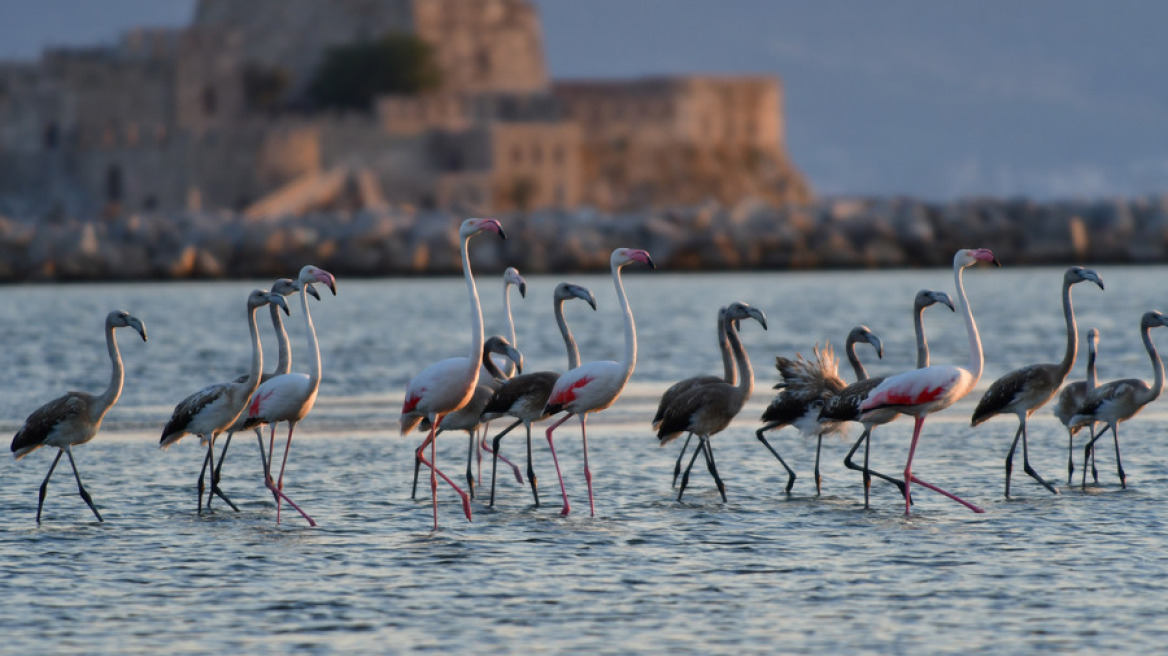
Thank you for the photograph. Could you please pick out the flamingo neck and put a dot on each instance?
(476, 311)
(1157, 366)
(922, 343)
(630, 359)
(284, 365)
(857, 366)
(569, 341)
(313, 345)
(509, 322)
(1092, 381)
(976, 356)
(1068, 360)
(257, 354)
(110, 396)
(745, 384)
(491, 367)
(729, 374)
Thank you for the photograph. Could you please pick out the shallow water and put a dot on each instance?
(1079, 572)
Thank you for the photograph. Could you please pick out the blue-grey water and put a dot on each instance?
(1079, 572)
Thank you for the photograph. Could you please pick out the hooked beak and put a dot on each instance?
(523, 289)
(137, 325)
(515, 356)
(758, 316)
(312, 292)
(279, 302)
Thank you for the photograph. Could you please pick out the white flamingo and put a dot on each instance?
(213, 409)
(290, 397)
(921, 392)
(447, 385)
(525, 397)
(76, 417)
(594, 386)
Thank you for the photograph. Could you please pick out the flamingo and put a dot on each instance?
(1121, 400)
(845, 406)
(708, 409)
(447, 385)
(729, 375)
(469, 417)
(921, 392)
(511, 278)
(594, 386)
(76, 417)
(284, 287)
(806, 385)
(1025, 390)
(525, 397)
(214, 408)
(1071, 399)
(290, 397)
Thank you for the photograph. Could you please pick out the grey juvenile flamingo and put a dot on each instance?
(1025, 390)
(525, 397)
(708, 409)
(806, 385)
(1071, 399)
(1120, 400)
(845, 406)
(76, 417)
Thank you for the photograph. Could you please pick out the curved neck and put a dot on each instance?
(569, 341)
(857, 366)
(922, 343)
(630, 359)
(491, 367)
(729, 374)
(509, 322)
(1072, 334)
(257, 353)
(476, 311)
(284, 365)
(110, 396)
(745, 384)
(1157, 365)
(976, 357)
(313, 344)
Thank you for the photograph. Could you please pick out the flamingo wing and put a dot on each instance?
(188, 410)
(279, 399)
(917, 387)
(590, 386)
(1027, 386)
(45, 421)
(676, 390)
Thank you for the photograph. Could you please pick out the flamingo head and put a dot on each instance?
(1153, 319)
(310, 274)
(472, 227)
(123, 319)
(623, 256)
(568, 290)
(969, 256)
(261, 297)
(738, 311)
(1079, 274)
(511, 277)
(499, 344)
(864, 334)
(927, 297)
(287, 287)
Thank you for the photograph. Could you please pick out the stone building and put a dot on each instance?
(189, 118)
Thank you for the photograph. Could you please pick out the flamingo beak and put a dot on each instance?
(137, 325)
(279, 302)
(328, 279)
(523, 288)
(312, 292)
(758, 316)
(516, 357)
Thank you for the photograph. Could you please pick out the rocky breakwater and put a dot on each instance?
(830, 233)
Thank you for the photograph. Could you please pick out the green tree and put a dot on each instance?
(352, 76)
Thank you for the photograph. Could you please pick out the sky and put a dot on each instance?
(941, 100)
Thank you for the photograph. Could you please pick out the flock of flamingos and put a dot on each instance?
(465, 393)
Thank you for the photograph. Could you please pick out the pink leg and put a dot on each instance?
(277, 492)
(587, 471)
(908, 464)
(514, 468)
(280, 483)
(950, 495)
(434, 473)
(567, 506)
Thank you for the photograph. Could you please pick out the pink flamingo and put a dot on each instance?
(594, 386)
(76, 417)
(449, 384)
(921, 392)
(290, 397)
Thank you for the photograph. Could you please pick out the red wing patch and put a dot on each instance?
(896, 397)
(411, 402)
(254, 409)
(568, 395)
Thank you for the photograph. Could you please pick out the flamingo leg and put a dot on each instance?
(45, 484)
(1010, 457)
(790, 472)
(530, 469)
(1070, 456)
(1089, 452)
(709, 449)
(219, 467)
(81, 488)
(280, 483)
(470, 451)
(680, 455)
(1026, 462)
(908, 475)
(263, 456)
(818, 478)
(435, 472)
(495, 456)
(866, 438)
(587, 471)
(567, 506)
(513, 466)
(693, 457)
(214, 482)
(202, 473)
(1118, 462)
